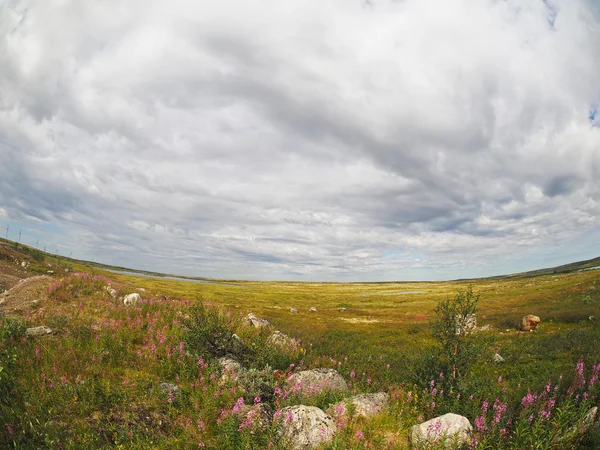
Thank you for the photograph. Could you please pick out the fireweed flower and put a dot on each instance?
(359, 434)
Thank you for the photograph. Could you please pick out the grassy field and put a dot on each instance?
(93, 383)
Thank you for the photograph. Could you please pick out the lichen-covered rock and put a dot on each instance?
(282, 341)
(131, 299)
(305, 427)
(254, 416)
(38, 331)
(448, 431)
(230, 368)
(465, 324)
(362, 405)
(169, 387)
(256, 322)
(529, 322)
(315, 381)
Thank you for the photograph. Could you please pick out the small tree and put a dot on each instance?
(453, 327)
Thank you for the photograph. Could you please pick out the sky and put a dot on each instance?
(330, 140)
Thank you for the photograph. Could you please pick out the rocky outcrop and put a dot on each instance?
(305, 427)
(362, 405)
(529, 322)
(315, 381)
(449, 431)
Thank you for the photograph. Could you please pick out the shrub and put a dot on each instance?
(452, 331)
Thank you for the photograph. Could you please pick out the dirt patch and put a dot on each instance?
(25, 295)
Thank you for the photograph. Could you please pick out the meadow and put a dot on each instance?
(96, 381)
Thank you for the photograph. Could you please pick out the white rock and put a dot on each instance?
(485, 327)
(111, 291)
(256, 322)
(38, 331)
(305, 427)
(23, 264)
(315, 381)
(293, 310)
(169, 387)
(448, 431)
(131, 299)
(498, 358)
(313, 309)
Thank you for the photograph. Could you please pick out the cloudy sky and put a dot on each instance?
(309, 140)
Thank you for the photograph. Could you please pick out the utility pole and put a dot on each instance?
(7, 227)
(19, 241)
(36, 243)
(44, 249)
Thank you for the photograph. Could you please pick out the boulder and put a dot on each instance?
(38, 331)
(230, 368)
(498, 358)
(465, 324)
(131, 299)
(529, 322)
(305, 427)
(315, 381)
(282, 341)
(448, 431)
(589, 418)
(256, 322)
(363, 405)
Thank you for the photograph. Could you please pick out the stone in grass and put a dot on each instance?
(449, 431)
(38, 331)
(282, 341)
(315, 381)
(131, 299)
(169, 387)
(293, 310)
(498, 358)
(256, 322)
(305, 427)
(254, 416)
(230, 369)
(312, 309)
(362, 405)
(529, 322)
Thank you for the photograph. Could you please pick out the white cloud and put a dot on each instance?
(291, 139)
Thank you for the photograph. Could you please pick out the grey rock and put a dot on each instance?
(363, 405)
(293, 310)
(261, 415)
(38, 331)
(485, 327)
(315, 381)
(305, 427)
(449, 431)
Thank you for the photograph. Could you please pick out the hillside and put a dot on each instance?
(139, 362)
